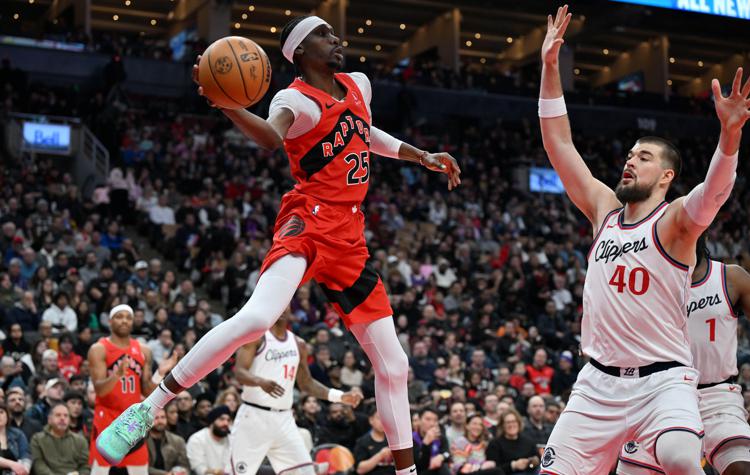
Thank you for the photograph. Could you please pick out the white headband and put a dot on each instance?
(121, 308)
(298, 34)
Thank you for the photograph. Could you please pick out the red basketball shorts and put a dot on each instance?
(331, 238)
(103, 417)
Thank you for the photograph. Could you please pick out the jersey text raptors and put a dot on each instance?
(635, 296)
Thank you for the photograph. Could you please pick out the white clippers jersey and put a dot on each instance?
(276, 360)
(635, 296)
(712, 324)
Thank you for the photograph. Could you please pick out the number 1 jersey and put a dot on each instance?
(635, 296)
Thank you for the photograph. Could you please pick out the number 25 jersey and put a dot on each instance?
(635, 296)
(331, 161)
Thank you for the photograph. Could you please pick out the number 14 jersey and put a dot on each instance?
(276, 360)
(635, 296)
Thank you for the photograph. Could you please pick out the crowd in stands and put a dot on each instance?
(486, 285)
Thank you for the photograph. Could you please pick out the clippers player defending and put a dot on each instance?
(265, 425)
(639, 383)
(323, 122)
(716, 292)
(121, 372)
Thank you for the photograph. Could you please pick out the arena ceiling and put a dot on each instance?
(489, 29)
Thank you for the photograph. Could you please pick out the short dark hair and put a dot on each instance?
(285, 34)
(701, 249)
(427, 409)
(670, 155)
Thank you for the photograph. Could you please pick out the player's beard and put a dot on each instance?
(335, 65)
(634, 193)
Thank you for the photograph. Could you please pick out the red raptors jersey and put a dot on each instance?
(331, 162)
(127, 391)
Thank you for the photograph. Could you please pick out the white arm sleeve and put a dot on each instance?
(704, 201)
(384, 143)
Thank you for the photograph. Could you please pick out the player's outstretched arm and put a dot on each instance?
(739, 288)
(307, 384)
(243, 362)
(267, 133)
(387, 145)
(691, 215)
(590, 195)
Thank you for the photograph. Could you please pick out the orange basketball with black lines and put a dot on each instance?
(235, 72)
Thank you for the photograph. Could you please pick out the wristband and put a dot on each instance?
(550, 108)
(156, 377)
(422, 157)
(334, 395)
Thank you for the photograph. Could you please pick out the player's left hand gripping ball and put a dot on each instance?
(444, 163)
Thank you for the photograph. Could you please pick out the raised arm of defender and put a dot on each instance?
(590, 195)
(687, 217)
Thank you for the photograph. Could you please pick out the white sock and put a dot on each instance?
(159, 398)
(407, 471)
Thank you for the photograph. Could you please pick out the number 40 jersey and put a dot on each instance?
(635, 296)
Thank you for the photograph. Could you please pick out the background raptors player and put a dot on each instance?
(121, 373)
(265, 425)
(717, 291)
(639, 383)
(323, 121)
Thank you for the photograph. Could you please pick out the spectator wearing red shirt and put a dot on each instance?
(68, 362)
(540, 373)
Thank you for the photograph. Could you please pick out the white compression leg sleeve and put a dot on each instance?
(705, 200)
(271, 297)
(679, 453)
(391, 366)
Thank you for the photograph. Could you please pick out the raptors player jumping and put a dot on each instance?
(323, 122)
(265, 425)
(121, 373)
(639, 384)
(717, 291)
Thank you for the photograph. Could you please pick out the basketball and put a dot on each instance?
(234, 72)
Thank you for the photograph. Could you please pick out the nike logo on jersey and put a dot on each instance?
(610, 226)
(688, 379)
(328, 106)
(733, 388)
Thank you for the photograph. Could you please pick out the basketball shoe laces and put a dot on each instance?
(135, 422)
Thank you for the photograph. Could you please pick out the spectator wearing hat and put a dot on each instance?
(15, 402)
(208, 449)
(52, 394)
(57, 450)
(81, 416)
(166, 449)
(140, 277)
(565, 375)
(68, 361)
(60, 315)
